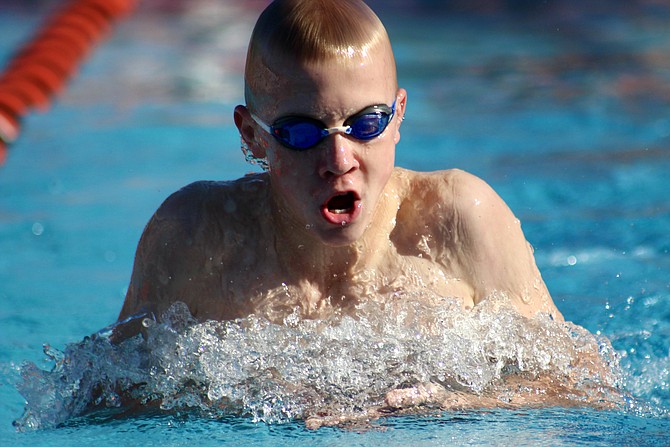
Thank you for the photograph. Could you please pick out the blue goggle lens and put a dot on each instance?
(298, 133)
(370, 125)
(302, 133)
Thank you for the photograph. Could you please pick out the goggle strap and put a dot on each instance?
(262, 125)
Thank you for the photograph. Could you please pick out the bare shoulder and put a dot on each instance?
(189, 240)
(457, 199)
(477, 204)
(203, 215)
(481, 237)
(192, 204)
(452, 185)
(452, 197)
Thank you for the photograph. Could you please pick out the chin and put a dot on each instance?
(341, 237)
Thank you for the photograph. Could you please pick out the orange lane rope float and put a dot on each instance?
(40, 69)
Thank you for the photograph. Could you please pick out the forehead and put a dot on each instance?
(338, 86)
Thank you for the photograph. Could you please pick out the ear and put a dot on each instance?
(400, 105)
(246, 125)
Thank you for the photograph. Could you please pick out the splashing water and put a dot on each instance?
(341, 366)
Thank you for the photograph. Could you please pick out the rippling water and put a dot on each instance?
(304, 369)
(565, 113)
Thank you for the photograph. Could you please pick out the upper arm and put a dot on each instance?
(169, 256)
(154, 260)
(496, 256)
(143, 294)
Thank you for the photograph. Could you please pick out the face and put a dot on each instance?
(330, 191)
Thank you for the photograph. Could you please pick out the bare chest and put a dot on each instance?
(275, 297)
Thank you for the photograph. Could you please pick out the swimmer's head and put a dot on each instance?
(309, 32)
(328, 63)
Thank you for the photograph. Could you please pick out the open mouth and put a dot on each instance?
(343, 203)
(342, 208)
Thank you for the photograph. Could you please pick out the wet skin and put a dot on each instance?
(332, 226)
(216, 246)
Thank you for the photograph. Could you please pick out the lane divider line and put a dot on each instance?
(41, 68)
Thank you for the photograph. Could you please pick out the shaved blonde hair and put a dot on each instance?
(311, 32)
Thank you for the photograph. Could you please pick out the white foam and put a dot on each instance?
(345, 365)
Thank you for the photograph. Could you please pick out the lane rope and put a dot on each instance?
(41, 67)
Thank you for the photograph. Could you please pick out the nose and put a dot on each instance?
(338, 157)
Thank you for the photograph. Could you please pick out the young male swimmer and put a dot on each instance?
(332, 223)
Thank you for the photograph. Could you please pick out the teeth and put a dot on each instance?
(341, 203)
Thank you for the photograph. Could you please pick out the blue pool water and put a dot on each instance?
(565, 111)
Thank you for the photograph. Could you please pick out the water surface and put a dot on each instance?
(564, 112)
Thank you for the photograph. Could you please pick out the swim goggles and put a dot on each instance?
(301, 133)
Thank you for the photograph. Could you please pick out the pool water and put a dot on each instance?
(563, 109)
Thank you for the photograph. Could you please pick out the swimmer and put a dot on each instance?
(332, 222)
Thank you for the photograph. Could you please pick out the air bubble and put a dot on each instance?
(38, 229)
(279, 372)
